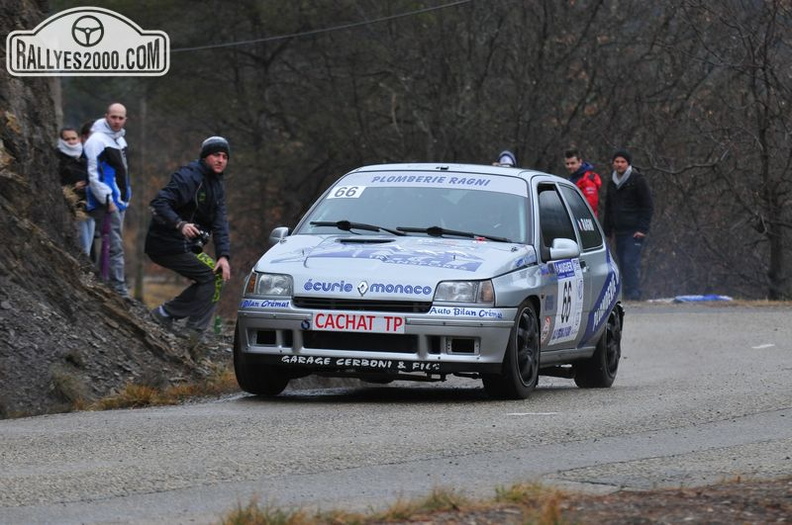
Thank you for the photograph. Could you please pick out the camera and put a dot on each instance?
(199, 241)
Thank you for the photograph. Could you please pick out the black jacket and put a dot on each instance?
(193, 194)
(629, 208)
(73, 170)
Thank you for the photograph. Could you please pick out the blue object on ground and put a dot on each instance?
(696, 298)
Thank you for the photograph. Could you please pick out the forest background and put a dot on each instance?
(306, 90)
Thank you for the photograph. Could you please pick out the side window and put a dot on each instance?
(553, 217)
(590, 235)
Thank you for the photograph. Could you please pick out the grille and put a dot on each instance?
(322, 303)
(400, 343)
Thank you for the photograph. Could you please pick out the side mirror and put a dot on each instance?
(564, 249)
(278, 234)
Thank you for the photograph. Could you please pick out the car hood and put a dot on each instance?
(386, 267)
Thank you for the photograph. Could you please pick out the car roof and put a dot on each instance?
(444, 167)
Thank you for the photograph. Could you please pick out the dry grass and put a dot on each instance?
(68, 386)
(521, 504)
(540, 503)
(440, 500)
(253, 514)
(750, 502)
(220, 381)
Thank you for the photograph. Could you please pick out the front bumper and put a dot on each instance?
(473, 343)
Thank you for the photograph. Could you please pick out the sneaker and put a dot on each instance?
(162, 319)
(121, 289)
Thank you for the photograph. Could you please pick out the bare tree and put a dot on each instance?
(308, 90)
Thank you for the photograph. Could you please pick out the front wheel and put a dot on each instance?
(520, 371)
(599, 371)
(257, 378)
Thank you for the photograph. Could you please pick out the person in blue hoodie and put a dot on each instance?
(189, 209)
(107, 198)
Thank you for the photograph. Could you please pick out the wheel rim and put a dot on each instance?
(527, 342)
(613, 342)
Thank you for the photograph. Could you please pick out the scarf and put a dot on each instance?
(67, 149)
(619, 181)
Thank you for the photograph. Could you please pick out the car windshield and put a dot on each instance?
(439, 212)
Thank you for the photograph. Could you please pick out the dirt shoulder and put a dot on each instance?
(739, 502)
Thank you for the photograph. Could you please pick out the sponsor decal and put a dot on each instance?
(569, 311)
(356, 322)
(510, 185)
(528, 260)
(605, 300)
(586, 225)
(264, 303)
(550, 303)
(451, 259)
(404, 289)
(323, 286)
(427, 179)
(545, 329)
(87, 41)
(363, 287)
(457, 311)
(358, 363)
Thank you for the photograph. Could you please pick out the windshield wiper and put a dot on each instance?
(349, 226)
(439, 231)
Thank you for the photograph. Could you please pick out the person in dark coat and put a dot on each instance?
(185, 213)
(628, 215)
(73, 170)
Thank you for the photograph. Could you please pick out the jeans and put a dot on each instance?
(85, 231)
(115, 260)
(628, 255)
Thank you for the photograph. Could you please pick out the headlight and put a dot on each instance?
(270, 284)
(471, 292)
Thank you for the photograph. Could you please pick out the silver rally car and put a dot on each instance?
(420, 271)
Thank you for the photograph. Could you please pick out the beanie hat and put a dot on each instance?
(506, 158)
(214, 145)
(624, 154)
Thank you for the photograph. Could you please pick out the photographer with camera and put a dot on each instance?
(189, 209)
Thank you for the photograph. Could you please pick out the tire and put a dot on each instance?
(599, 371)
(520, 371)
(256, 378)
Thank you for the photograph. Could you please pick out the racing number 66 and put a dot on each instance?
(347, 192)
(566, 305)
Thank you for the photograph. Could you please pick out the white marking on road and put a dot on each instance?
(768, 345)
(533, 414)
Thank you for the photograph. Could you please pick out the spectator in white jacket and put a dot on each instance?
(109, 191)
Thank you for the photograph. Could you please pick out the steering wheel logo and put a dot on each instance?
(87, 31)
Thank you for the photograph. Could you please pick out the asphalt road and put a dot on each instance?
(704, 394)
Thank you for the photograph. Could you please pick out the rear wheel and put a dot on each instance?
(257, 378)
(599, 371)
(520, 371)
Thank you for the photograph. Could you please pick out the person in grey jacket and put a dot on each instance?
(628, 215)
(185, 213)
